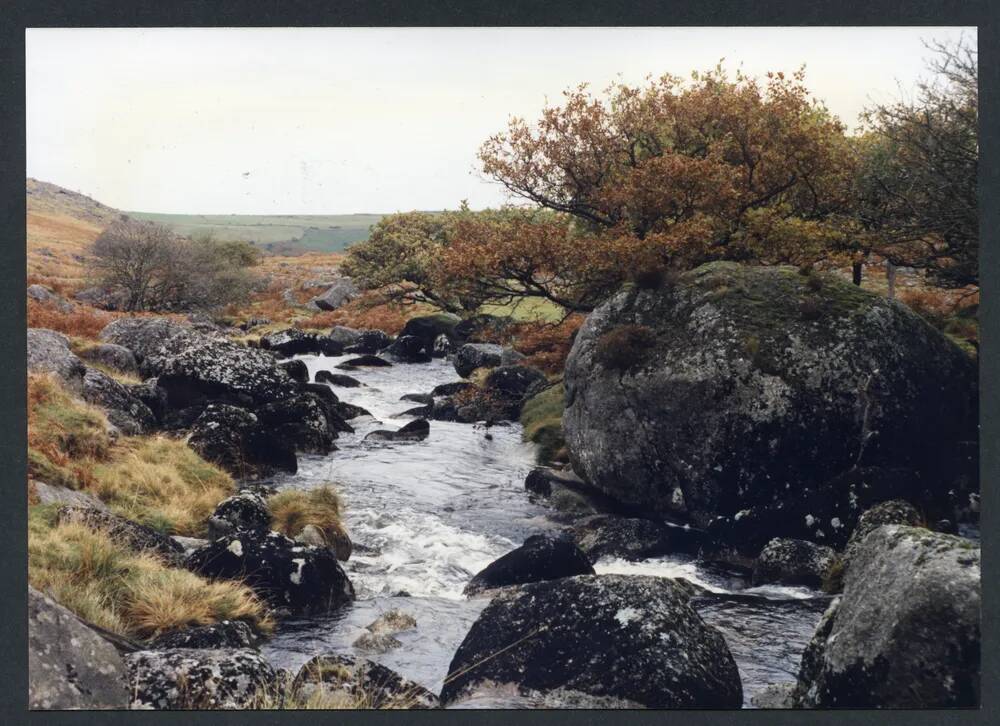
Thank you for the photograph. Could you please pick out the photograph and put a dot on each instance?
(500, 368)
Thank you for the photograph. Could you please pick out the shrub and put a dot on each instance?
(293, 509)
(128, 593)
(541, 418)
(625, 347)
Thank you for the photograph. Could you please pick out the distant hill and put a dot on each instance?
(275, 233)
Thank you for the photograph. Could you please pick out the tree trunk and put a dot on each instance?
(856, 270)
(890, 278)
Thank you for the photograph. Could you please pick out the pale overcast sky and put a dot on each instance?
(329, 121)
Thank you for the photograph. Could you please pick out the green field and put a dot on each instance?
(278, 233)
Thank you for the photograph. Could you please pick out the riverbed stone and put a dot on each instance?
(408, 349)
(793, 562)
(541, 557)
(337, 379)
(416, 430)
(224, 634)
(369, 342)
(906, 631)
(631, 538)
(476, 355)
(629, 638)
(361, 683)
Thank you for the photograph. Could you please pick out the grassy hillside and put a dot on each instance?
(277, 233)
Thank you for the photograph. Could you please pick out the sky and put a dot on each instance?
(352, 120)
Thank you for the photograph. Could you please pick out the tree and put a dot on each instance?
(916, 188)
(705, 170)
(151, 268)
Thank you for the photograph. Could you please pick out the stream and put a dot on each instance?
(425, 516)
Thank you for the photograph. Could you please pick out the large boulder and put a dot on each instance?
(48, 352)
(340, 380)
(428, 327)
(367, 360)
(631, 538)
(293, 341)
(343, 335)
(613, 639)
(369, 342)
(44, 493)
(42, 294)
(906, 631)
(114, 356)
(793, 562)
(540, 558)
(129, 414)
(224, 634)
(476, 355)
(150, 393)
(408, 349)
(298, 578)
(234, 439)
(359, 683)
(302, 423)
(338, 294)
(894, 511)
(69, 665)
(195, 368)
(733, 387)
(245, 511)
(196, 678)
(124, 531)
(417, 430)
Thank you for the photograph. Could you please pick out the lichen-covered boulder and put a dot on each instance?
(392, 621)
(360, 683)
(793, 562)
(369, 642)
(894, 511)
(540, 558)
(152, 395)
(69, 665)
(233, 438)
(245, 511)
(293, 341)
(197, 679)
(427, 328)
(629, 640)
(296, 370)
(114, 356)
(343, 335)
(368, 342)
(136, 536)
(733, 387)
(43, 493)
(476, 355)
(337, 295)
(49, 352)
(301, 422)
(42, 294)
(296, 577)
(130, 415)
(224, 634)
(906, 631)
(416, 430)
(196, 368)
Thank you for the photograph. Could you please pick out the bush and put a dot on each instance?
(625, 347)
(541, 418)
(128, 593)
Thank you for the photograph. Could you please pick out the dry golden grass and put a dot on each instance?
(293, 509)
(128, 593)
(82, 321)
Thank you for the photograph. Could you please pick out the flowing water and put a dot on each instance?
(426, 516)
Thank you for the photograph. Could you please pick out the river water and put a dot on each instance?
(426, 516)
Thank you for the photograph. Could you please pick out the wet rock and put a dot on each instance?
(793, 562)
(424, 398)
(69, 665)
(224, 634)
(296, 370)
(361, 683)
(408, 349)
(243, 512)
(301, 423)
(429, 328)
(136, 536)
(450, 389)
(335, 411)
(587, 635)
(293, 341)
(349, 411)
(51, 494)
(337, 379)
(376, 642)
(895, 511)
(130, 415)
(442, 347)
(775, 696)
(48, 352)
(516, 382)
(343, 335)
(714, 394)
(540, 558)
(339, 293)
(364, 360)
(417, 430)
(193, 678)
(232, 438)
(114, 356)
(299, 578)
(476, 355)
(630, 538)
(369, 342)
(419, 411)
(906, 631)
